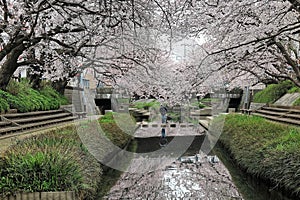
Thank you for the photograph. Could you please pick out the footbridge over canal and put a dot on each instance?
(148, 130)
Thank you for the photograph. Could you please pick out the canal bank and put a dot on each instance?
(268, 154)
(191, 176)
(222, 180)
(251, 187)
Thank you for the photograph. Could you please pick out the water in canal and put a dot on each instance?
(250, 188)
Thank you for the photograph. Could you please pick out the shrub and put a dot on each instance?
(107, 118)
(297, 102)
(198, 104)
(294, 89)
(145, 105)
(15, 102)
(4, 106)
(49, 92)
(22, 97)
(15, 87)
(39, 172)
(55, 161)
(272, 92)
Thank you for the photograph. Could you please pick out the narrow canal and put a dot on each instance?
(250, 187)
(192, 180)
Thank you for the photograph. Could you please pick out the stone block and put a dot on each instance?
(19, 196)
(12, 111)
(107, 111)
(183, 125)
(231, 110)
(33, 196)
(44, 195)
(154, 125)
(190, 125)
(70, 196)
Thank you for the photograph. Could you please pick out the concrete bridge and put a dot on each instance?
(146, 130)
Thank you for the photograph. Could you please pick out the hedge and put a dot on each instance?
(22, 97)
(272, 92)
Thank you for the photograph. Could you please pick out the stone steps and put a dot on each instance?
(284, 114)
(279, 119)
(18, 122)
(29, 114)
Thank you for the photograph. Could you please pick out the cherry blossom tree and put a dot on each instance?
(258, 40)
(62, 37)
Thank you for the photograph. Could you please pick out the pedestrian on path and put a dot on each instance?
(163, 140)
(163, 111)
(163, 132)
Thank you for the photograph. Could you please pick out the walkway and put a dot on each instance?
(146, 130)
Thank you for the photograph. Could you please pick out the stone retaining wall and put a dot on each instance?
(68, 195)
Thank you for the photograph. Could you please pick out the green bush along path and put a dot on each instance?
(56, 160)
(273, 92)
(53, 161)
(264, 149)
(21, 96)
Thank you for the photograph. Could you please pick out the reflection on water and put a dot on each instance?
(251, 188)
(146, 145)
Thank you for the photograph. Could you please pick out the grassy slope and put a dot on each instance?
(272, 92)
(265, 149)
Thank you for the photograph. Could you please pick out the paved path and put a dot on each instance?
(172, 129)
(180, 180)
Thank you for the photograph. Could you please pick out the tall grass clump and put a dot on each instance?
(112, 129)
(55, 161)
(272, 92)
(4, 106)
(265, 149)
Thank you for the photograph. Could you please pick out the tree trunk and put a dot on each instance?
(60, 85)
(35, 81)
(10, 66)
(36, 76)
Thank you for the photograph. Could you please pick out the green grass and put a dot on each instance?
(146, 105)
(272, 92)
(111, 124)
(58, 161)
(113, 130)
(21, 96)
(264, 149)
(107, 118)
(297, 102)
(54, 161)
(198, 104)
(294, 90)
(175, 116)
